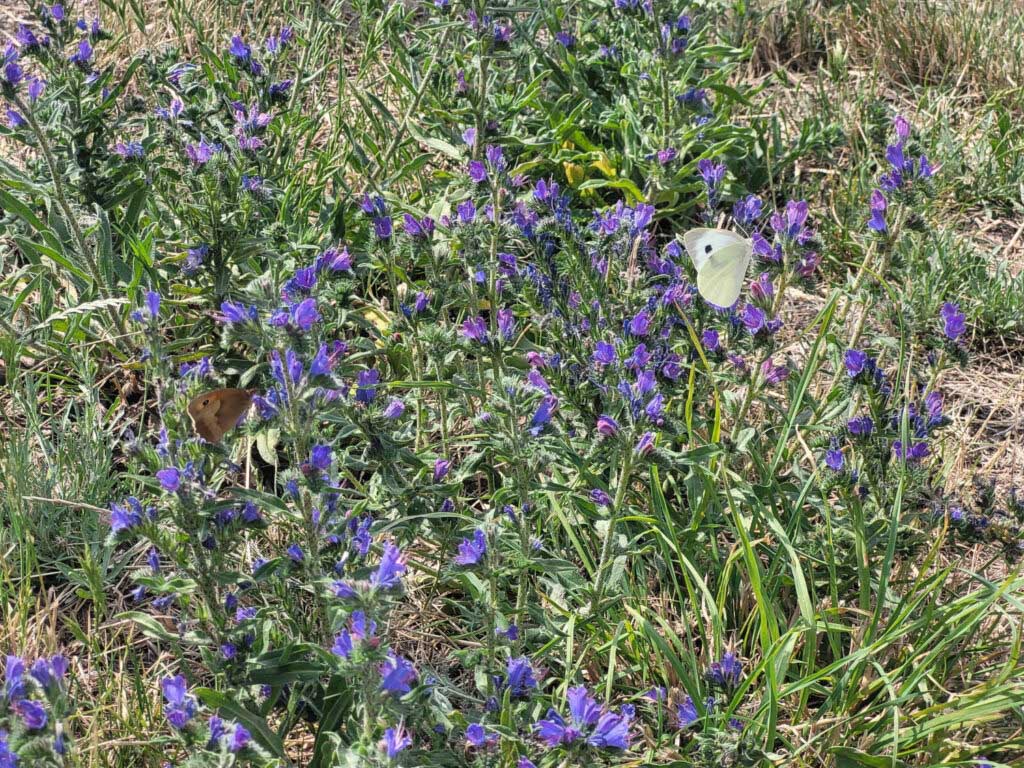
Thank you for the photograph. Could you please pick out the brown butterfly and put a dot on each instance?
(218, 411)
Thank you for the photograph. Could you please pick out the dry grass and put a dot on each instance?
(971, 46)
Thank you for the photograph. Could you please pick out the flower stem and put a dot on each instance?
(606, 547)
(65, 207)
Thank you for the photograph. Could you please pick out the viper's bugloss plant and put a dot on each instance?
(509, 491)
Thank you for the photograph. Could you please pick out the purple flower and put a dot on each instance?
(709, 338)
(475, 329)
(860, 426)
(367, 382)
(520, 679)
(343, 645)
(789, 223)
(765, 250)
(477, 737)
(133, 150)
(671, 368)
(855, 361)
(753, 318)
(466, 211)
(322, 362)
(278, 91)
(170, 479)
(762, 288)
(495, 157)
(916, 453)
(655, 407)
(603, 728)
(877, 205)
(441, 468)
(542, 416)
(834, 458)
(14, 118)
(239, 49)
(686, 713)
(334, 260)
(26, 38)
(553, 730)
(640, 325)
(14, 682)
(667, 155)
(727, 672)
(240, 738)
(604, 354)
(611, 731)
(232, 312)
(639, 359)
(601, 497)
(506, 323)
(305, 314)
(472, 551)
(343, 590)
(477, 171)
(747, 210)
(644, 383)
(12, 73)
(32, 714)
(396, 674)
(124, 518)
(395, 740)
(181, 706)
(49, 672)
(245, 614)
(536, 379)
(200, 154)
(394, 409)
(565, 39)
(933, 407)
(954, 322)
(712, 174)
(382, 227)
(656, 694)
(392, 565)
(773, 374)
(902, 127)
(153, 303)
(607, 426)
(645, 445)
(35, 88)
(82, 54)
(421, 229)
(253, 184)
(359, 630)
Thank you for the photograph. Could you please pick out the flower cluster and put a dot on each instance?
(33, 706)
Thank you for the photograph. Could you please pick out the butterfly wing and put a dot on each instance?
(720, 280)
(701, 242)
(215, 413)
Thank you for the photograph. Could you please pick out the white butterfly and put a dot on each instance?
(721, 259)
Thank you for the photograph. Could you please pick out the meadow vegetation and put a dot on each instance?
(511, 493)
